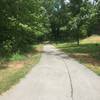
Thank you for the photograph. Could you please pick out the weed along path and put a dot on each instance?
(56, 77)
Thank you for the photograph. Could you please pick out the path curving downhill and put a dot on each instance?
(56, 77)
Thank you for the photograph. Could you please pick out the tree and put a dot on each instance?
(22, 21)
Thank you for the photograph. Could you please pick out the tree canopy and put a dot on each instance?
(25, 22)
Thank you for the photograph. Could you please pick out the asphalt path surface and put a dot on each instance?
(56, 77)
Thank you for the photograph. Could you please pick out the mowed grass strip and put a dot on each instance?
(12, 71)
(87, 53)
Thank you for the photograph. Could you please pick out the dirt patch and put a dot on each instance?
(16, 64)
(13, 65)
(86, 58)
(92, 39)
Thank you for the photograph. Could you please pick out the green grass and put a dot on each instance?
(87, 53)
(9, 76)
(17, 56)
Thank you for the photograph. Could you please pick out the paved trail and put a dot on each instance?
(56, 77)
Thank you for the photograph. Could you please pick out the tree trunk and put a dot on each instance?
(78, 37)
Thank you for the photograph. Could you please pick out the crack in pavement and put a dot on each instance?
(56, 77)
(63, 57)
(69, 79)
(67, 69)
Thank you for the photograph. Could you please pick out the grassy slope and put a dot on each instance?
(17, 68)
(87, 53)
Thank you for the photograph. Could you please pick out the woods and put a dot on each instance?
(72, 26)
(25, 22)
(21, 23)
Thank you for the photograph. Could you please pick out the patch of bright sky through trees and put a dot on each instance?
(68, 0)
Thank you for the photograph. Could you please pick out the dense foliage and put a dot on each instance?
(74, 19)
(24, 22)
(21, 23)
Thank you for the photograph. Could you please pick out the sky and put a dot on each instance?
(68, 0)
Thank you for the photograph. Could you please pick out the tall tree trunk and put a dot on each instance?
(57, 33)
(78, 40)
(78, 36)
